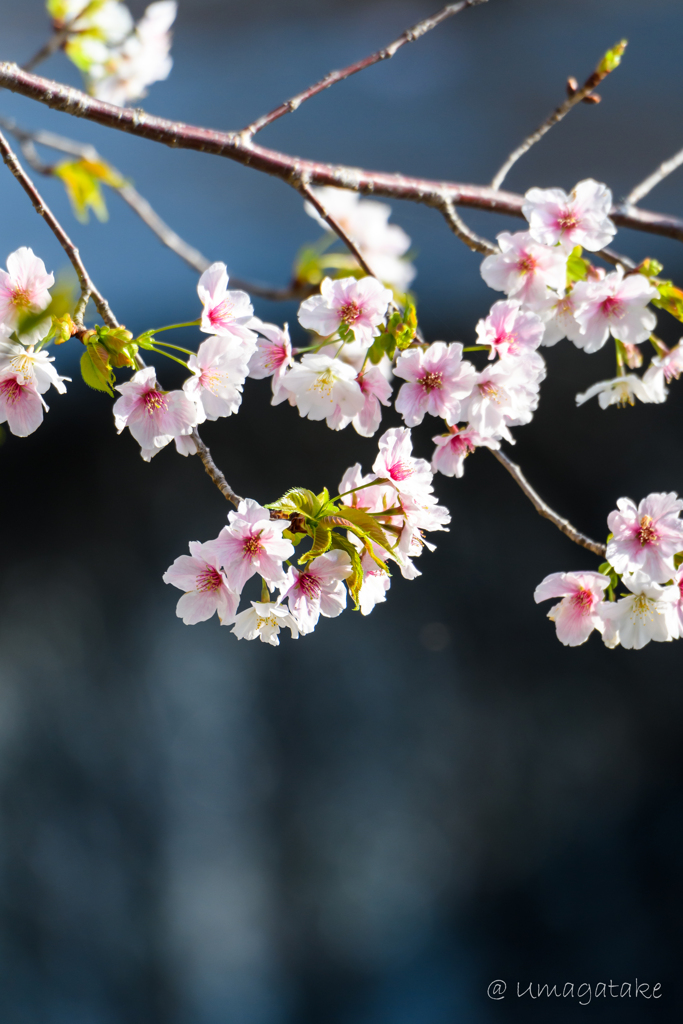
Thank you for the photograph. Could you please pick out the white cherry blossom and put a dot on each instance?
(524, 269)
(273, 354)
(621, 391)
(510, 330)
(436, 381)
(395, 462)
(373, 590)
(578, 613)
(225, 312)
(154, 417)
(505, 394)
(206, 590)
(317, 589)
(21, 405)
(359, 304)
(648, 613)
(263, 621)
(646, 537)
(557, 314)
(219, 370)
(580, 218)
(122, 74)
(253, 543)
(616, 305)
(24, 289)
(324, 388)
(376, 391)
(32, 366)
(452, 449)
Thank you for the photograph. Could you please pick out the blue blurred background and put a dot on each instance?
(371, 824)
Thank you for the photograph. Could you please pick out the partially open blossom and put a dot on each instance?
(621, 391)
(359, 304)
(324, 388)
(578, 613)
(395, 462)
(253, 543)
(617, 305)
(580, 218)
(647, 536)
(264, 620)
(206, 590)
(21, 405)
(452, 449)
(662, 370)
(648, 613)
(219, 370)
(317, 589)
(376, 391)
(510, 330)
(524, 269)
(374, 587)
(273, 354)
(154, 417)
(32, 366)
(24, 289)
(437, 379)
(225, 312)
(123, 73)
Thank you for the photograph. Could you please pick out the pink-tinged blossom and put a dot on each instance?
(661, 371)
(506, 394)
(646, 536)
(317, 589)
(32, 366)
(509, 330)
(24, 289)
(206, 590)
(273, 354)
(678, 606)
(253, 543)
(373, 498)
(524, 269)
(263, 621)
(359, 304)
(395, 462)
(184, 444)
(374, 587)
(437, 379)
(375, 389)
(617, 305)
(225, 312)
(452, 449)
(154, 417)
(581, 218)
(21, 406)
(421, 515)
(622, 391)
(557, 314)
(578, 613)
(122, 74)
(219, 370)
(324, 388)
(648, 613)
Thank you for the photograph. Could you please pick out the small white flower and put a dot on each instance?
(264, 620)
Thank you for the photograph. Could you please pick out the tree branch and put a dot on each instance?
(306, 192)
(465, 234)
(544, 509)
(662, 172)
(409, 36)
(232, 146)
(213, 470)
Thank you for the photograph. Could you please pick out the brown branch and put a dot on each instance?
(663, 171)
(88, 289)
(544, 509)
(409, 36)
(306, 192)
(213, 470)
(232, 146)
(465, 234)
(575, 96)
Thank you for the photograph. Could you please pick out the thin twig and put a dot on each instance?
(88, 289)
(302, 187)
(465, 234)
(544, 509)
(662, 172)
(409, 36)
(213, 470)
(232, 146)
(575, 96)
(57, 39)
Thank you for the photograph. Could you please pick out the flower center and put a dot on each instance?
(527, 265)
(400, 470)
(21, 298)
(489, 390)
(11, 390)
(642, 606)
(221, 314)
(277, 355)
(209, 580)
(211, 381)
(612, 307)
(155, 401)
(324, 383)
(583, 600)
(350, 312)
(270, 620)
(567, 220)
(646, 533)
(461, 445)
(22, 364)
(309, 585)
(430, 381)
(252, 546)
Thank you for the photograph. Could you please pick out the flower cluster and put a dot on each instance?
(374, 519)
(118, 58)
(644, 553)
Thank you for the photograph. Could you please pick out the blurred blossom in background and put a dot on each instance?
(372, 823)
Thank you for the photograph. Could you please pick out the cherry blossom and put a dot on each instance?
(437, 379)
(225, 312)
(264, 620)
(662, 370)
(648, 613)
(421, 514)
(578, 613)
(621, 391)
(374, 587)
(678, 607)
(273, 354)
(452, 449)
(505, 394)
(646, 537)
(510, 330)
(617, 305)
(375, 389)
(31, 365)
(24, 289)
(557, 314)
(21, 405)
(317, 589)
(184, 444)
(396, 463)
(123, 74)
(360, 305)
(109, 20)
(253, 543)
(323, 387)
(577, 219)
(365, 222)
(524, 269)
(154, 417)
(219, 370)
(206, 591)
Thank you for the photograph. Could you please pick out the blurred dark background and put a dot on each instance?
(371, 824)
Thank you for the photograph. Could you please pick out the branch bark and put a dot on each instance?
(233, 146)
(663, 171)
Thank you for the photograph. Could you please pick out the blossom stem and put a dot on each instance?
(476, 348)
(620, 357)
(168, 355)
(177, 348)
(170, 327)
(371, 483)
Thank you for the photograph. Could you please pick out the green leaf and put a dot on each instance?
(405, 331)
(355, 580)
(95, 368)
(82, 180)
(577, 268)
(678, 560)
(670, 298)
(368, 525)
(650, 267)
(296, 499)
(612, 59)
(322, 536)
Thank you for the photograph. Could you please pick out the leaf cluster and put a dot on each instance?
(106, 349)
(399, 333)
